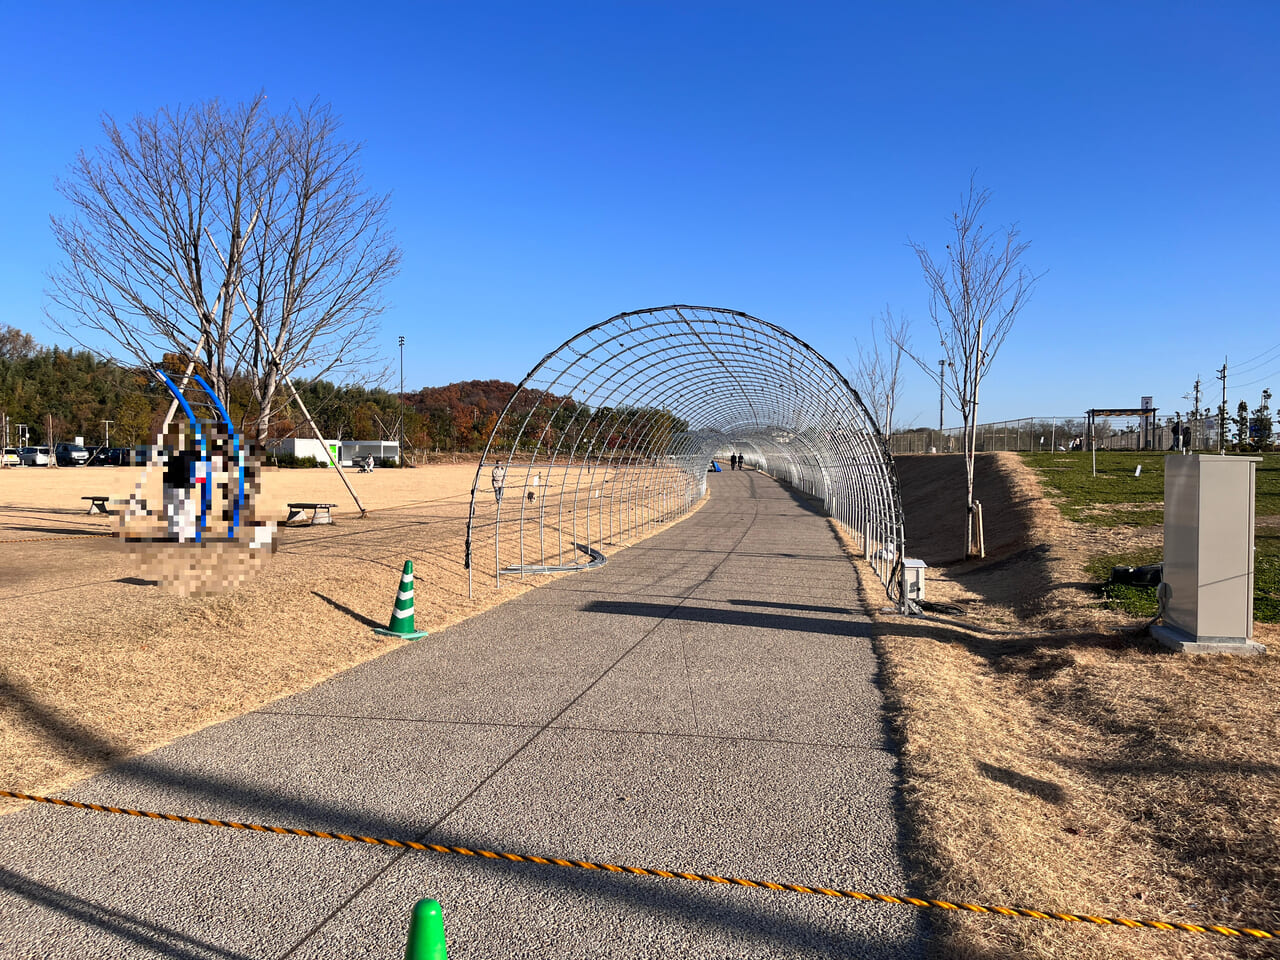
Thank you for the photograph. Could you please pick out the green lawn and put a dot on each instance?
(1119, 494)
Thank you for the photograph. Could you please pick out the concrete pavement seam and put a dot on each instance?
(474, 790)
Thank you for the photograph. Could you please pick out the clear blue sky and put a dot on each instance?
(552, 164)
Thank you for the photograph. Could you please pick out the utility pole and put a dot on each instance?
(941, 397)
(4, 444)
(106, 432)
(1197, 414)
(1222, 410)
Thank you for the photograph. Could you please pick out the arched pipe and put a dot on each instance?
(726, 375)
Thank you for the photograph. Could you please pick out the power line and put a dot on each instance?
(1269, 350)
(1260, 360)
(1262, 379)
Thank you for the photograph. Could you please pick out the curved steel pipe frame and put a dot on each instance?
(624, 419)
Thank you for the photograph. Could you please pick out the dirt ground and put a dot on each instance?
(1053, 757)
(86, 618)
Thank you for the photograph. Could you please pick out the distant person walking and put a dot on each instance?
(499, 481)
(533, 487)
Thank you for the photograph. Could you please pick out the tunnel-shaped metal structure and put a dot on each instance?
(615, 430)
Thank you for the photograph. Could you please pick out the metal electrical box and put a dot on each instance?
(913, 580)
(1208, 554)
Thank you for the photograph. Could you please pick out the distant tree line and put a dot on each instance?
(79, 391)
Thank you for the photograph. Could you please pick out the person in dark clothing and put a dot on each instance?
(181, 479)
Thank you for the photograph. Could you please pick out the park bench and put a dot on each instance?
(98, 505)
(319, 512)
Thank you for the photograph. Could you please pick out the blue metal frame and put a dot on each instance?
(236, 461)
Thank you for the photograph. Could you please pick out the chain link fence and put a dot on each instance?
(1031, 434)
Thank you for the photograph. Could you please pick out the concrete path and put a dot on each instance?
(706, 701)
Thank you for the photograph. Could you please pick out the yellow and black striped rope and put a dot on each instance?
(60, 536)
(673, 874)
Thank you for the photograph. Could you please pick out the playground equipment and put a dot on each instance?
(623, 419)
(216, 444)
(190, 521)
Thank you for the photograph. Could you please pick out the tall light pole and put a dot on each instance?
(400, 439)
(106, 432)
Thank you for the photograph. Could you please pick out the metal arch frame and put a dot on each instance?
(603, 419)
(235, 462)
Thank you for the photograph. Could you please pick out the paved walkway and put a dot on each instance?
(706, 701)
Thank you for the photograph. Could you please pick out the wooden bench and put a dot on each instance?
(319, 512)
(98, 505)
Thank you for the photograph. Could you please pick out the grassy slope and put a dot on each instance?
(1080, 770)
(1120, 495)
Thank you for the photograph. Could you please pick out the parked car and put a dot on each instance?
(11, 458)
(34, 456)
(71, 455)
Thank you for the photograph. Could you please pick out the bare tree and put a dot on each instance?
(975, 294)
(182, 219)
(878, 366)
(315, 268)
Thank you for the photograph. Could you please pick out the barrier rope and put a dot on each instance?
(61, 536)
(671, 874)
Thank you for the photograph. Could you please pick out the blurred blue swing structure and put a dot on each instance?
(201, 468)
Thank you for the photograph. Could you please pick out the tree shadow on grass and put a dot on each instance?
(1032, 786)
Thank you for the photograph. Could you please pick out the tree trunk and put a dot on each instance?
(970, 450)
(266, 396)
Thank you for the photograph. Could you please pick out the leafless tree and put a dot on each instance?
(879, 362)
(975, 295)
(184, 221)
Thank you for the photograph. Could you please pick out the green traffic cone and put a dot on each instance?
(402, 615)
(426, 932)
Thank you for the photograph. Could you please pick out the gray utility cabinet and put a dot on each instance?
(1208, 554)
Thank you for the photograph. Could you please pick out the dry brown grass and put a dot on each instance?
(98, 664)
(1054, 763)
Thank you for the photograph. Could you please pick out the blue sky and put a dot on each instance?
(553, 164)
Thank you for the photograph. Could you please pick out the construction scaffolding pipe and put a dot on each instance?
(613, 432)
